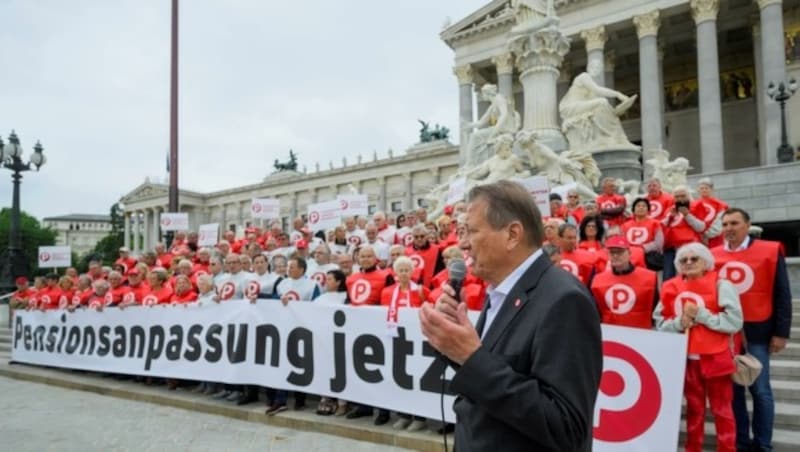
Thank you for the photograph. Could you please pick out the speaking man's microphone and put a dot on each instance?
(457, 270)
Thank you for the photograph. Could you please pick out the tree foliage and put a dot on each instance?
(33, 236)
(107, 249)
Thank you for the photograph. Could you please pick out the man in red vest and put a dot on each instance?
(580, 263)
(612, 205)
(757, 269)
(625, 294)
(365, 287)
(683, 224)
(660, 202)
(126, 260)
(426, 256)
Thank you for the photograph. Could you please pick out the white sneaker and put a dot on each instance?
(401, 424)
(417, 425)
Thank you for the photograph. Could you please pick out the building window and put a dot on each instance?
(397, 206)
(371, 209)
(422, 202)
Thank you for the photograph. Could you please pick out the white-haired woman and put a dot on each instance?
(403, 293)
(707, 308)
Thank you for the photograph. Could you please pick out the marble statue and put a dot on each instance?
(589, 121)
(561, 169)
(670, 173)
(499, 118)
(532, 16)
(503, 165)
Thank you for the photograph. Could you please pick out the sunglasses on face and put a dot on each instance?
(688, 260)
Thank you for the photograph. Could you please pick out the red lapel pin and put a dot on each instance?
(517, 303)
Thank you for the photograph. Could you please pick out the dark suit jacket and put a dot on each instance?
(532, 385)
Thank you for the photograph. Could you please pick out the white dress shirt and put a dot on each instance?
(497, 295)
(745, 243)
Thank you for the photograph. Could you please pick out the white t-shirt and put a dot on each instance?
(262, 285)
(331, 298)
(303, 289)
(319, 272)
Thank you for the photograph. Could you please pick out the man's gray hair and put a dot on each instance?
(699, 250)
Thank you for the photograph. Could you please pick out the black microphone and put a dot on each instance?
(457, 270)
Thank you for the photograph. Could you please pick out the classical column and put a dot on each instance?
(539, 57)
(127, 239)
(156, 227)
(505, 74)
(610, 66)
(774, 64)
(464, 75)
(295, 210)
(564, 79)
(761, 96)
(712, 155)
(239, 218)
(409, 191)
(482, 104)
(382, 196)
(146, 230)
(652, 121)
(595, 39)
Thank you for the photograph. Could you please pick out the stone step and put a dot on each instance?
(787, 414)
(783, 440)
(781, 368)
(792, 351)
(786, 390)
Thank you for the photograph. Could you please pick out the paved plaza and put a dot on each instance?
(45, 418)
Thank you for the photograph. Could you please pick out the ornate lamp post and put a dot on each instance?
(782, 93)
(14, 264)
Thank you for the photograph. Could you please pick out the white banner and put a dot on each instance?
(174, 221)
(55, 256)
(354, 205)
(208, 234)
(324, 215)
(539, 188)
(266, 208)
(340, 351)
(457, 191)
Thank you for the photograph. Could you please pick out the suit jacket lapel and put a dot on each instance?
(482, 319)
(511, 307)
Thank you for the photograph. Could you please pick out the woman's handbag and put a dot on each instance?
(654, 260)
(748, 367)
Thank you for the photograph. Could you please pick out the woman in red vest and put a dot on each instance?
(707, 308)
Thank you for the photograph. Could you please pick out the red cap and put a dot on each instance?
(301, 244)
(617, 241)
(448, 210)
(21, 280)
(133, 271)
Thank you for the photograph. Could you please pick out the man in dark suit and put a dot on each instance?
(528, 374)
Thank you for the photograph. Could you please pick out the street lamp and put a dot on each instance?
(14, 263)
(781, 94)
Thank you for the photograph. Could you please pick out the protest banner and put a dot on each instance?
(174, 221)
(55, 256)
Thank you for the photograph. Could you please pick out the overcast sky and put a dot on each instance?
(90, 79)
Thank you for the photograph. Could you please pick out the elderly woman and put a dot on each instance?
(184, 292)
(403, 293)
(160, 292)
(100, 296)
(716, 208)
(707, 308)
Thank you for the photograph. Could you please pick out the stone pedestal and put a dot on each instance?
(622, 164)
(539, 57)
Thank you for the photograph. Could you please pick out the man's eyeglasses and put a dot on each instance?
(688, 260)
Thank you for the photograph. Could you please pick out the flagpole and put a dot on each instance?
(173, 120)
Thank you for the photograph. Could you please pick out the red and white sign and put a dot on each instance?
(739, 274)
(324, 215)
(266, 208)
(457, 191)
(354, 205)
(620, 298)
(55, 256)
(636, 235)
(638, 406)
(208, 234)
(174, 221)
(539, 188)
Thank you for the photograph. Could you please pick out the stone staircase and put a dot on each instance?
(5, 343)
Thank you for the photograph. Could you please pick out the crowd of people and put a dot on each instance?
(669, 261)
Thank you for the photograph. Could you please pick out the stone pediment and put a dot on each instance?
(147, 190)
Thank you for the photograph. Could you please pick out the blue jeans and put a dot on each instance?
(763, 405)
(669, 264)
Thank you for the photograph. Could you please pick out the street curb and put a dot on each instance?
(360, 429)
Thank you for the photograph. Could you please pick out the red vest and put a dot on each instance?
(127, 264)
(187, 297)
(160, 296)
(625, 300)
(117, 294)
(415, 301)
(577, 213)
(139, 291)
(640, 232)
(676, 292)
(65, 298)
(579, 262)
(677, 231)
(425, 260)
(97, 301)
(364, 288)
(752, 272)
(82, 298)
(714, 207)
(611, 202)
(660, 205)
